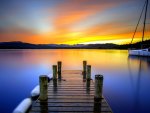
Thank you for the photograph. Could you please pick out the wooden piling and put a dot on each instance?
(98, 93)
(98, 88)
(88, 72)
(59, 69)
(84, 69)
(43, 79)
(54, 72)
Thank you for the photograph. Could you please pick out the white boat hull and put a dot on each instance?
(140, 52)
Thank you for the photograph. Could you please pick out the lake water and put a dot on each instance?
(126, 79)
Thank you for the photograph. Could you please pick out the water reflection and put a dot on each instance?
(144, 60)
(142, 63)
(126, 79)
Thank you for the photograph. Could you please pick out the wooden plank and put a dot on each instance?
(71, 88)
(71, 72)
(68, 100)
(69, 91)
(70, 96)
(72, 80)
(71, 85)
(68, 109)
(69, 112)
(37, 104)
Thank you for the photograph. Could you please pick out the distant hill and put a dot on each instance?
(22, 45)
(16, 45)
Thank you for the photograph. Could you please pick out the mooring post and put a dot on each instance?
(43, 79)
(84, 69)
(54, 72)
(98, 93)
(98, 87)
(88, 72)
(59, 69)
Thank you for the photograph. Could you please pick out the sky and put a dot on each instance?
(71, 21)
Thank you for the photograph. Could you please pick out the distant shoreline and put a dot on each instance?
(22, 45)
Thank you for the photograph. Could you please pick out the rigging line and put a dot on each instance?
(138, 23)
(144, 21)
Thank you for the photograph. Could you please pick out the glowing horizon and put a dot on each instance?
(71, 22)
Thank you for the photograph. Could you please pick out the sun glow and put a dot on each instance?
(70, 23)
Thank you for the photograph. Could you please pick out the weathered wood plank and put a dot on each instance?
(68, 109)
(70, 82)
(68, 112)
(71, 85)
(73, 98)
(38, 104)
(71, 88)
(68, 100)
(71, 94)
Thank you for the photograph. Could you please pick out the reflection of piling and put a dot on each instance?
(54, 72)
(55, 85)
(88, 72)
(84, 69)
(97, 106)
(98, 92)
(88, 82)
(43, 87)
(59, 69)
(44, 106)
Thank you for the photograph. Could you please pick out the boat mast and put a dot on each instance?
(138, 22)
(144, 21)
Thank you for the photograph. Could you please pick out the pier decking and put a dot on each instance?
(71, 94)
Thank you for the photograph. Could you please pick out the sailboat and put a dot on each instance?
(142, 51)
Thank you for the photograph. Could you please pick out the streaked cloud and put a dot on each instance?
(69, 21)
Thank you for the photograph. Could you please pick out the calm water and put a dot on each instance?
(126, 80)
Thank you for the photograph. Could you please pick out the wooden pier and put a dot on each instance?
(70, 92)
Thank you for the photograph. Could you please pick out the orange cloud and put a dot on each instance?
(63, 19)
(70, 13)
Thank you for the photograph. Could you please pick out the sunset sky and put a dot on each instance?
(71, 21)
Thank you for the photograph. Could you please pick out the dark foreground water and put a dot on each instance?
(126, 79)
